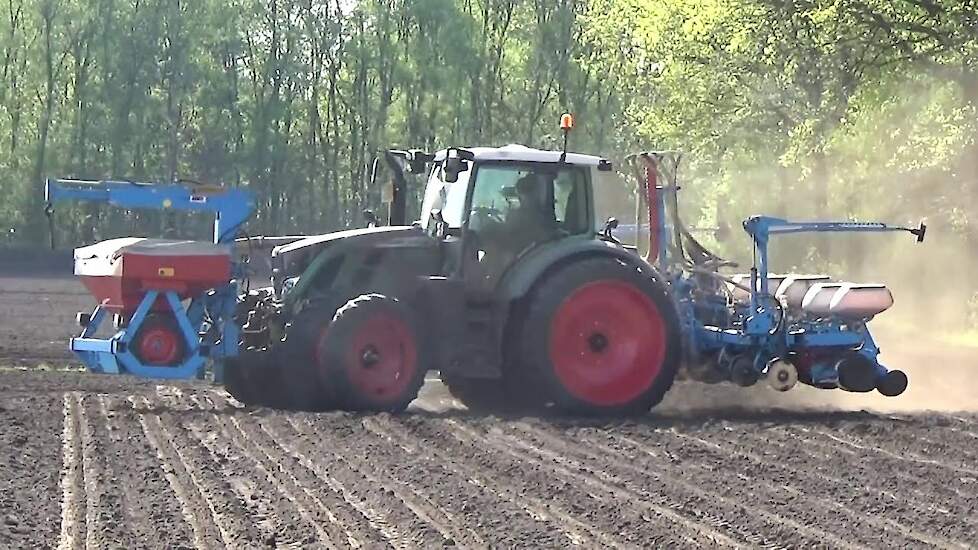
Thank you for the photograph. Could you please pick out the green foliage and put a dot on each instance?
(807, 108)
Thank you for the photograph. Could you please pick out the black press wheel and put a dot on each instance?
(372, 355)
(601, 338)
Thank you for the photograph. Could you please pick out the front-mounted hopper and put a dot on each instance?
(172, 301)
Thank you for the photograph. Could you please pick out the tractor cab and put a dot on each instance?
(490, 207)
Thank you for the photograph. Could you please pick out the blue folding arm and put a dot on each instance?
(231, 206)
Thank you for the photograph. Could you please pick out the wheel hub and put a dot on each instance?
(598, 342)
(369, 357)
(158, 345)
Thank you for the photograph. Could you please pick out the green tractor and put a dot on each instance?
(507, 285)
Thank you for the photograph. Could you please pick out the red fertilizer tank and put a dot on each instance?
(118, 272)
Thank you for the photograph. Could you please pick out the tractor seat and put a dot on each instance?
(850, 301)
(792, 290)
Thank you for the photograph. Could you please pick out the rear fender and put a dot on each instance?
(533, 268)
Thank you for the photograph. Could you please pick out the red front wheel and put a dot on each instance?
(371, 355)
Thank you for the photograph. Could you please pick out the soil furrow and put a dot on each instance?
(636, 525)
(338, 530)
(915, 484)
(209, 521)
(266, 501)
(72, 488)
(575, 472)
(916, 500)
(102, 525)
(367, 525)
(421, 506)
(776, 527)
(329, 474)
(357, 528)
(458, 497)
(151, 510)
(288, 486)
(191, 503)
(274, 502)
(576, 531)
(421, 530)
(922, 437)
(967, 433)
(862, 445)
(800, 490)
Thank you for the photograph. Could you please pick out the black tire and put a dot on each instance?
(374, 355)
(302, 366)
(481, 395)
(237, 380)
(586, 319)
(254, 379)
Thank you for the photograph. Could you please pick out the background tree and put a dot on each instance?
(807, 108)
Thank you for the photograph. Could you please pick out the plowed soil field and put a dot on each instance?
(92, 461)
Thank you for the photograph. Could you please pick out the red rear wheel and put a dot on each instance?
(159, 342)
(600, 337)
(372, 356)
(607, 342)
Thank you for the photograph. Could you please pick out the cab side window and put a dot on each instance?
(570, 201)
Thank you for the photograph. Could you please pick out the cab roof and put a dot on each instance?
(521, 153)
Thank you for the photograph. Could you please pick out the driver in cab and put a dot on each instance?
(532, 220)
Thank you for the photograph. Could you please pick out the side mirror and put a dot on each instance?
(920, 232)
(456, 162)
(453, 167)
(372, 220)
(418, 160)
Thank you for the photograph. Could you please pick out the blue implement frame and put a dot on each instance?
(206, 324)
(758, 330)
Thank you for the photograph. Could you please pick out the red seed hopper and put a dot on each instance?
(118, 272)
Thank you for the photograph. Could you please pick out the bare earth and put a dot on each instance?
(100, 461)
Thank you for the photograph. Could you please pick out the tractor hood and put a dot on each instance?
(290, 260)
